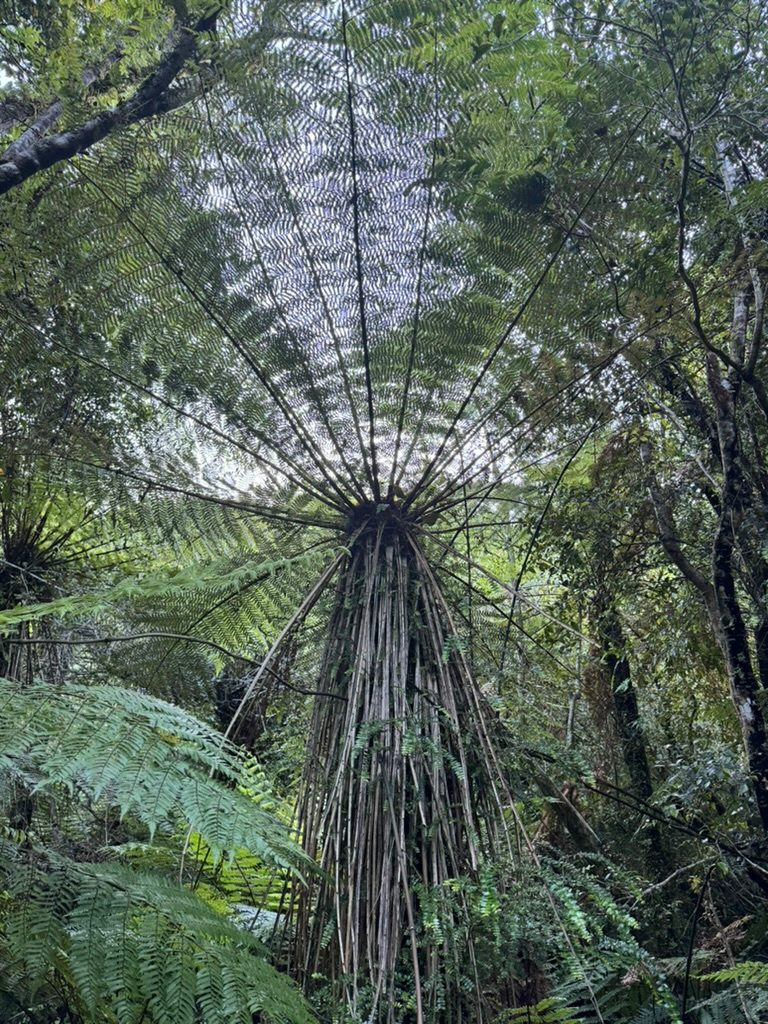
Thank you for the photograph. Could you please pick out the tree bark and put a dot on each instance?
(719, 592)
(743, 680)
(761, 650)
(625, 707)
(151, 98)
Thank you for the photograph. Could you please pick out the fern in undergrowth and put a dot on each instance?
(142, 756)
(131, 942)
(732, 1006)
(743, 997)
(749, 972)
(547, 1011)
(616, 981)
(84, 770)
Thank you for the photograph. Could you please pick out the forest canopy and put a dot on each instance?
(383, 512)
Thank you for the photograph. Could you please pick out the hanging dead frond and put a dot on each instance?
(401, 791)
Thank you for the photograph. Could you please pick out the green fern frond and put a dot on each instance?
(732, 1005)
(127, 939)
(212, 580)
(748, 972)
(547, 1011)
(141, 755)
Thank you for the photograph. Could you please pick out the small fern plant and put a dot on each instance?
(100, 789)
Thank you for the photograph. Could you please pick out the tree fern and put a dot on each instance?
(281, 276)
(351, 318)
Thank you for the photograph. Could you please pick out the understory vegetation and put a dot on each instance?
(383, 512)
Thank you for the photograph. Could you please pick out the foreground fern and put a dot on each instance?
(85, 772)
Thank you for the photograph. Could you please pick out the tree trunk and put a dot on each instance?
(401, 790)
(743, 681)
(41, 151)
(625, 704)
(719, 593)
(761, 651)
(734, 498)
(612, 651)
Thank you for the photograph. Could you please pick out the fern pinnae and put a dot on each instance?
(129, 724)
(300, 615)
(750, 972)
(329, 319)
(176, 274)
(442, 458)
(305, 482)
(267, 512)
(120, 937)
(372, 472)
(397, 471)
(237, 595)
(298, 348)
(547, 1011)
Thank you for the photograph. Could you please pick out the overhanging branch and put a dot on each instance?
(153, 97)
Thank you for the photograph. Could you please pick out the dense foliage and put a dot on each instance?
(384, 512)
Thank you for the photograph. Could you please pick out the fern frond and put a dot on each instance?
(733, 1005)
(749, 972)
(141, 755)
(547, 1011)
(127, 939)
(213, 580)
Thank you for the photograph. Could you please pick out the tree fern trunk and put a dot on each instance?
(401, 786)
